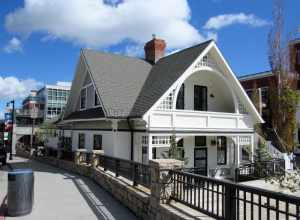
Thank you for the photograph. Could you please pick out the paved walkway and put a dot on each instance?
(63, 195)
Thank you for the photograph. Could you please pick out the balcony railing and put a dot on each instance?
(188, 119)
(30, 113)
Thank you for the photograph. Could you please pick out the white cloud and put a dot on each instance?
(14, 45)
(224, 20)
(1, 114)
(103, 23)
(14, 88)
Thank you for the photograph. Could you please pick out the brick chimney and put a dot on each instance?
(154, 50)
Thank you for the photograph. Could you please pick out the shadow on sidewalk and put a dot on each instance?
(103, 205)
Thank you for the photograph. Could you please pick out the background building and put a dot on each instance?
(40, 106)
(262, 81)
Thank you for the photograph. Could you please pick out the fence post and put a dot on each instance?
(230, 202)
(161, 183)
(237, 174)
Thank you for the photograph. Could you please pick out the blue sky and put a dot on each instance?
(40, 40)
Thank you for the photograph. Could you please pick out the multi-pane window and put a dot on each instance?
(200, 98)
(81, 140)
(200, 141)
(83, 98)
(97, 142)
(221, 150)
(56, 101)
(96, 101)
(180, 98)
(161, 140)
(145, 140)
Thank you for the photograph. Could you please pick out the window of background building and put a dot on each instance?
(298, 56)
(265, 95)
(97, 142)
(81, 141)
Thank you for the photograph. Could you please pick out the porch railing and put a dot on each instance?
(230, 201)
(260, 170)
(138, 173)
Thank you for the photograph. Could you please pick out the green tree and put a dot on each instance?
(261, 153)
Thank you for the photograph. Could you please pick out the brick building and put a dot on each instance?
(262, 82)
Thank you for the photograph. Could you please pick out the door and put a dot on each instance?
(200, 98)
(200, 161)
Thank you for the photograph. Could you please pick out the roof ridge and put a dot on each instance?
(114, 54)
(188, 48)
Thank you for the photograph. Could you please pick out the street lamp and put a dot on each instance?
(12, 130)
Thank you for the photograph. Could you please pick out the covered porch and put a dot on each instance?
(214, 154)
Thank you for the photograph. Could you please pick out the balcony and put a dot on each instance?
(198, 120)
(30, 113)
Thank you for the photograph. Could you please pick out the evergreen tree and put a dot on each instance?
(261, 153)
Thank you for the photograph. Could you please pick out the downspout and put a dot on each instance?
(131, 139)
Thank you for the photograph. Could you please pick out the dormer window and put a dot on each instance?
(83, 99)
(96, 101)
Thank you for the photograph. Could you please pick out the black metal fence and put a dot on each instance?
(230, 201)
(138, 173)
(260, 170)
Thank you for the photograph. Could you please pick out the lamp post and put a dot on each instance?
(12, 129)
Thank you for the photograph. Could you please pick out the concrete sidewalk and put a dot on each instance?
(63, 195)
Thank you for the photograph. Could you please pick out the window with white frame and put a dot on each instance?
(167, 102)
(161, 140)
(83, 99)
(145, 141)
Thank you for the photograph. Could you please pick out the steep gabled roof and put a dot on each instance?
(118, 79)
(163, 74)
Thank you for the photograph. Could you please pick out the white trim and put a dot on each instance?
(173, 86)
(239, 86)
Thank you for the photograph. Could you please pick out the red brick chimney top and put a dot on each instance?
(154, 49)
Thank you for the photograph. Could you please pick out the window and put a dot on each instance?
(180, 98)
(221, 150)
(200, 141)
(97, 142)
(161, 140)
(97, 101)
(83, 98)
(249, 93)
(167, 102)
(265, 95)
(200, 98)
(81, 141)
(298, 56)
(180, 146)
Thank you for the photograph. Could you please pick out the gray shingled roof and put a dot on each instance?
(163, 74)
(128, 87)
(118, 79)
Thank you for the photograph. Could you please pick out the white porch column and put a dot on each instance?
(150, 147)
(237, 155)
